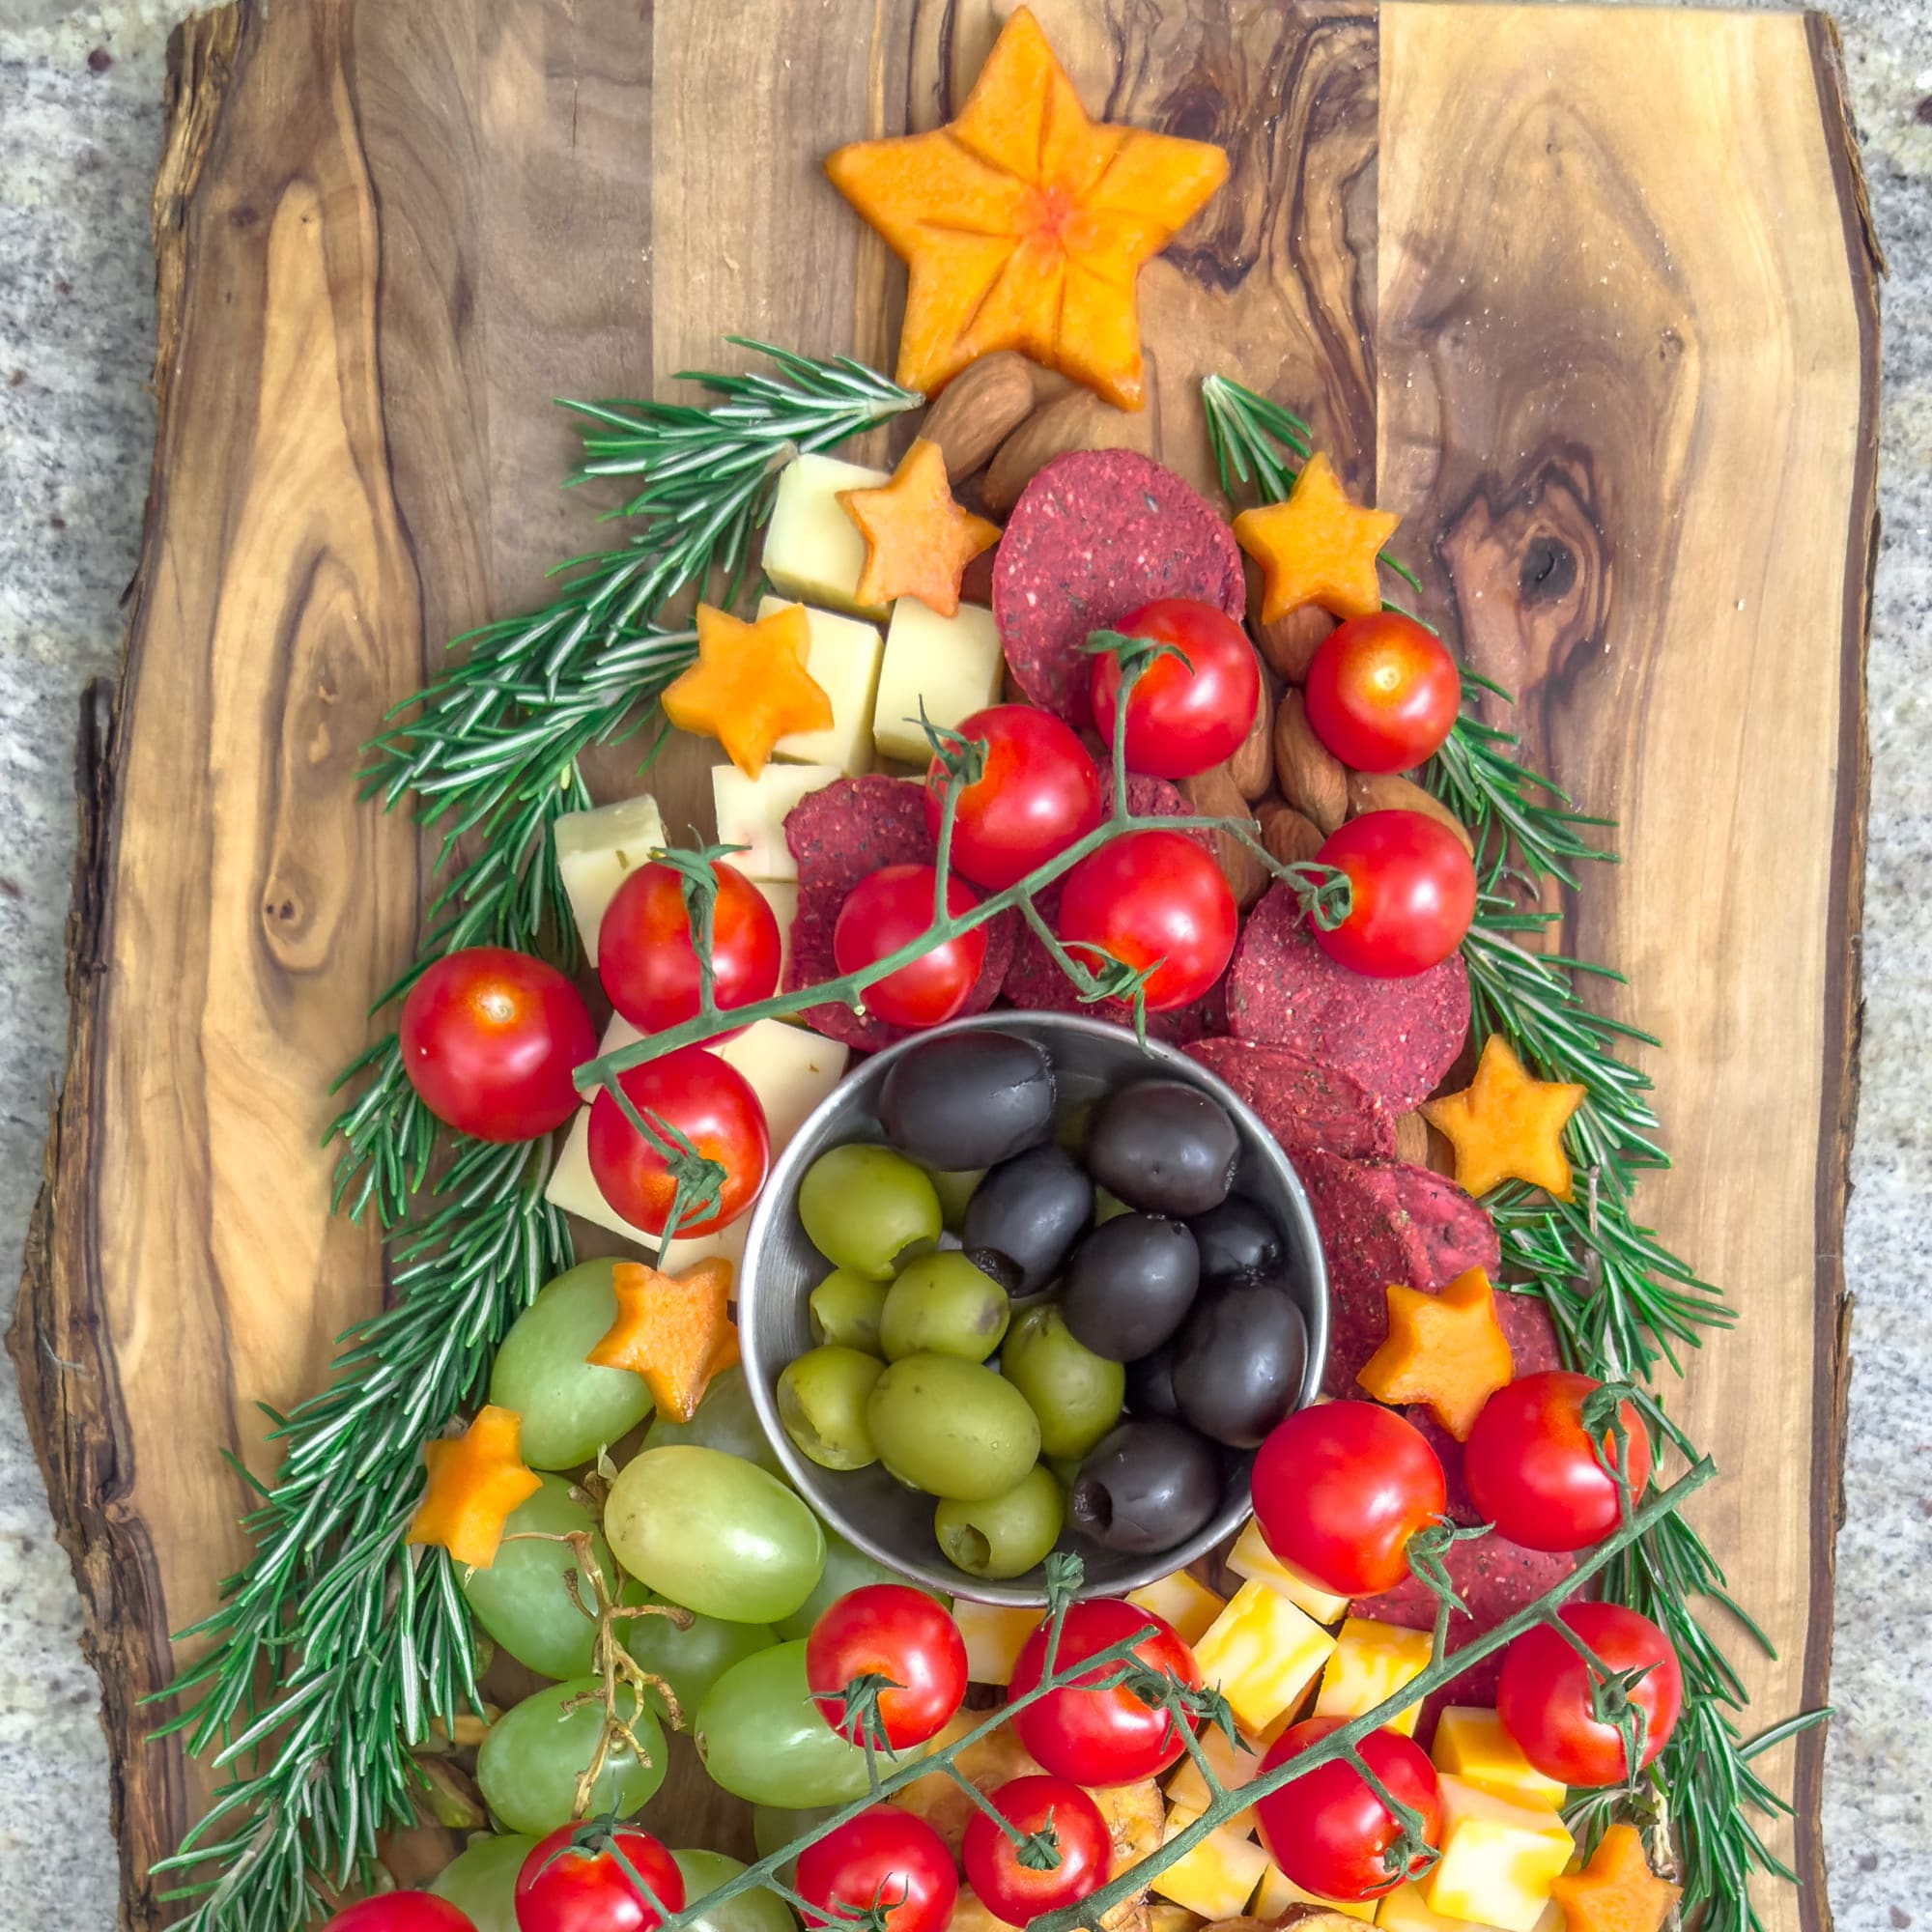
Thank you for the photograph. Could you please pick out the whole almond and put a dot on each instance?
(1078, 420)
(1311, 777)
(1214, 794)
(1290, 643)
(1291, 837)
(978, 410)
(1252, 765)
(1390, 791)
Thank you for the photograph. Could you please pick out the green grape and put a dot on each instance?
(822, 1400)
(1076, 1394)
(714, 1533)
(531, 1755)
(759, 1910)
(522, 1599)
(773, 1827)
(481, 1880)
(955, 1190)
(692, 1661)
(867, 1208)
(846, 1310)
(846, 1569)
(570, 1409)
(1006, 1536)
(727, 1419)
(943, 1303)
(953, 1427)
(761, 1737)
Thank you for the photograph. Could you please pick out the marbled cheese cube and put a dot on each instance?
(597, 850)
(813, 550)
(1263, 1653)
(1216, 1879)
(1251, 1557)
(1471, 1744)
(1184, 1601)
(1233, 1765)
(1279, 1893)
(1498, 1857)
(952, 665)
(994, 1634)
(1371, 1662)
(751, 814)
(842, 658)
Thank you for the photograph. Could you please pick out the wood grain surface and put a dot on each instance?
(1632, 444)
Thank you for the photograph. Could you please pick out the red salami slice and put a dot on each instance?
(1097, 534)
(838, 836)
(1306, 1106)
(1397, 1036)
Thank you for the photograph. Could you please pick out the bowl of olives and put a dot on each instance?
(1021, 1283)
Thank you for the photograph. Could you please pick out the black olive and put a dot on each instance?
(1147, 1484)
(1238, 1238)
(1163, 1146)
(1151, 1385)
(968, 1100)
(1238, 1361)
(1031, 1210)
(1130, 1284)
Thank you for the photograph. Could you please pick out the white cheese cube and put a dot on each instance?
(751, 814)
(1498, 1857)
(842, 658)
(1216, 1879)
(1251, 1557)
(813, 550)
(596, 851)
(1371, 1662)
(952, 665)
(994, 1635)
(782, 895)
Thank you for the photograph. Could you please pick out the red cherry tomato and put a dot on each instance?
(1544, 1697)
(892, 1630)
(712, 1105)
(1039, 792)
(1340, 1489)
(560, 1890)
(1101, 1737)
(490, 1038)
(1153, 896)
(1015, 1892)
(1532, 1471)
(1382, 693)
(1181, 718)
(1327, 1830)
(401, 1912)
(644, 954)
(890, 909)
(1413, 894)
(884, 1854)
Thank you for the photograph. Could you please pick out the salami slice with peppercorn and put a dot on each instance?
(1306, 1106)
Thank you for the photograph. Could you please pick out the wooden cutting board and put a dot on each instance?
(1587, 295)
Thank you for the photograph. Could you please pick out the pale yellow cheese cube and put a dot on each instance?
(782, 895)
(1216, 1879)
(571, 1189)
(751, 814)
(994, 1635)
(1279, 1893)
(1263, 1653)
(1472, 1745)
(1372, 1662)
(843, 658)
(1405, 1909)
(813, 550)
(1183, 1601)
(597, 851)
(1251, 1557)
(1233, 1764)
(1498, 1857)
(952, 666)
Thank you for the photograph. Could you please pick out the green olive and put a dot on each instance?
(1108, 1207)
(822, 1399)
(867, 1208)
(1076, 1394)
(955, 1190)
(951, 1428)
(846, 1310)
(1007, 1535)
(942, 1303)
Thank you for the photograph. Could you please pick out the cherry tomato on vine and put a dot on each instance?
(573, 1882)
(712, 1105)
(891, 908)
(401, 1912)
(1532, 1469)
(1153, 896)
(1382, 693)
(1038, 793)
(1108, 1736)
(884, 1854)
(646, 962)
(1412, 893)
(489, 1039)
(1327, 1829)
(1014, 1892)
(1339, 1489)
(895, 1631)
(1543, 1696)
(1182, 718)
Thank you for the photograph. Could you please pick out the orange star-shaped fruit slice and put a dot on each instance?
(1024, 225)
(475, 1480)
(1444, 1351)
(918, 540)
(1506, 1126)
(1316, 547)
(1616, 1892)
(674, 1330)
(750, 687)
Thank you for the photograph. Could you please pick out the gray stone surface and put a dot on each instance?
(79, 132)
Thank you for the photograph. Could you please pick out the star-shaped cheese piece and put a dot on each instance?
(1024, 225)
(750, 687)
(1506, 1126)
(1316, 547)
(918, 540)
(475, 1480)
(1616, 1892)
(674, 1330)
(1444, 1351)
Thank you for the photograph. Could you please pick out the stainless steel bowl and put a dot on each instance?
(886, 1520)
